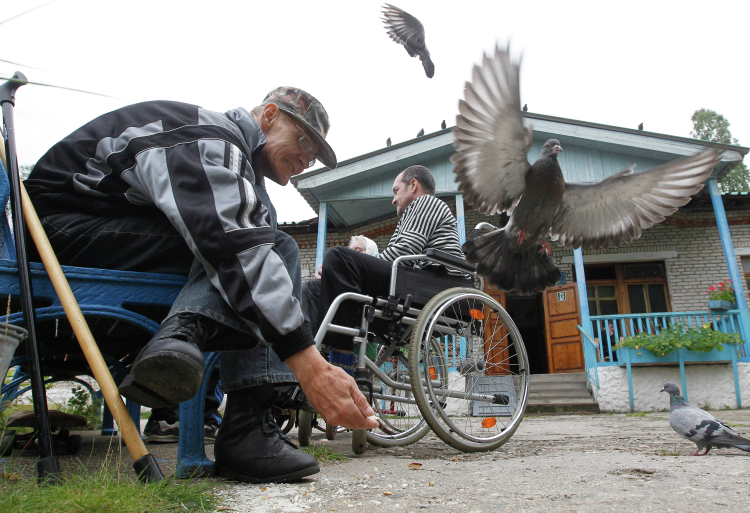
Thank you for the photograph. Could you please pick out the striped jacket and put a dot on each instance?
(195, 166)
(427, 223)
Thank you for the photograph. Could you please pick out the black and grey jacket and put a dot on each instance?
(195, 166)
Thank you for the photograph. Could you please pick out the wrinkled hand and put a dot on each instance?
(332, 392)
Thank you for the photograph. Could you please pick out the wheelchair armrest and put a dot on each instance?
(450, 260)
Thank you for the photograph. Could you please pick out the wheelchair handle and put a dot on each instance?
(9, 88)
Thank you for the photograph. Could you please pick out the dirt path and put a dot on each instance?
(568, 463)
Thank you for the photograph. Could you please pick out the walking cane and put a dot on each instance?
(144, 464)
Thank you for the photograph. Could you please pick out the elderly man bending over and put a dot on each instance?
(174, 188)
(425, 222)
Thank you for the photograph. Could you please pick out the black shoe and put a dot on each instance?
(251, 448)
(162, 432)
(170, 368)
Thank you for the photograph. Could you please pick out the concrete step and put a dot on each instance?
(562, 409)
(565, 385)
(560, 393)
(561, 401)
(555, 378)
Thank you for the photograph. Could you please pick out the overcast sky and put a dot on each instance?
(616, 63)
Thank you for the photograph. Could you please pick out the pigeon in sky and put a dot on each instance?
(525, 107)
(406, 30)
(443, 125)
(700, 426)
(421, 132)
(640, 127)
(494, 174)
(388, 142)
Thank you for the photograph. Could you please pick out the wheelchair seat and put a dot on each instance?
(424, 284)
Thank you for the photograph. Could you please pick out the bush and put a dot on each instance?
(700, 340)
(721, 292)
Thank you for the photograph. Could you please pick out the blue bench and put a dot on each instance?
(115, 303)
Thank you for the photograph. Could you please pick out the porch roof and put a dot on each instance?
(359, 189)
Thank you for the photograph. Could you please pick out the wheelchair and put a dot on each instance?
(437, 354)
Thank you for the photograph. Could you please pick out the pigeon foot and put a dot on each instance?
(546, 248)
(521, 235)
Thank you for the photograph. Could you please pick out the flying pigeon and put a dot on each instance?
(406, 30)
(443, 125)
(525, 107)
(640, 127)
(421, 132)
(494, 174)
(388, 142)
(700, 426)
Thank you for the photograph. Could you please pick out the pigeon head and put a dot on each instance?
(551, 148)
(671, 389)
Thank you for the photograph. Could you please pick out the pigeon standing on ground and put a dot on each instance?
(443, 125)
(700, 426)
(421, 132)
(640, 127)
(388, 142)
(525, 107)
(495, 176)
(408, 31)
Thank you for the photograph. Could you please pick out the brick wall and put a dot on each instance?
(693, 236)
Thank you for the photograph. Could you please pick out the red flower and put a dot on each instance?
(711, 288)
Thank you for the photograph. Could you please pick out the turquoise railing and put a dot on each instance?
(609, 329)
(591, 361)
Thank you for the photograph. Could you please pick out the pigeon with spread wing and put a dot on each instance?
(408, 31)
(494, 174)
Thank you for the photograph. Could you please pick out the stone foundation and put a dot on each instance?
(709, 386)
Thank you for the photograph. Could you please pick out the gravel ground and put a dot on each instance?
(553, 463)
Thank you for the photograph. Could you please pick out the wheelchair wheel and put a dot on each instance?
(331, 431)
(304, 429)
(479, 403)
(401, 423)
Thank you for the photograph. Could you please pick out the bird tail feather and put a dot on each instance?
(745, 448)
(509, 269)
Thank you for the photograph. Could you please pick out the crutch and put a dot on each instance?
(144, 464)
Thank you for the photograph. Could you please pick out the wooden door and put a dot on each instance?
(561, 319)
(495, 337)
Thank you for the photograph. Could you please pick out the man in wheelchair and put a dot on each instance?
(168, 187)
(425, 222)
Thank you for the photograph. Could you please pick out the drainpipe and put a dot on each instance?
(322, 227)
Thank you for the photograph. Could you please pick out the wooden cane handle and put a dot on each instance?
(101, 373)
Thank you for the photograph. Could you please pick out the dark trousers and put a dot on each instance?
(211, 416)
(346, 270)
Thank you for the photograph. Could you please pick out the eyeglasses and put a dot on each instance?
(305, 143)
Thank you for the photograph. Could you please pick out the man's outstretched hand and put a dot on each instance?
(332, 392)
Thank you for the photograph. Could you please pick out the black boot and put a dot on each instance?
(170, 368)
(250, 446)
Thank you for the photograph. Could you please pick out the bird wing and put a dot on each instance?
(693, 423)
(404, 28)
(490, 139)
(618, 209)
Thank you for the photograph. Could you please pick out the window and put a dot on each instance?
(746, 270)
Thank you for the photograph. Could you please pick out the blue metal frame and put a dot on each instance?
(731, 259)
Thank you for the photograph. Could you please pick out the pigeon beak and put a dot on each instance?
(662, 390)
(557, 149)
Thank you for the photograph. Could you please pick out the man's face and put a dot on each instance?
(403, 194)
(282, 155)
(358, 246)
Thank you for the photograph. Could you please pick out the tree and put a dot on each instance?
(709, 125)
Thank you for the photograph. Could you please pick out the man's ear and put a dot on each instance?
(414, 185)
(269, 115)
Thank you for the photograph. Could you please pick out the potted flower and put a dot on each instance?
(721, 296)
(701, 344)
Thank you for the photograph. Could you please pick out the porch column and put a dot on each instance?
(731, 259)
(322, 227)
(583, 297)
(460, 221)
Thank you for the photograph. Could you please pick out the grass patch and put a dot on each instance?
(323, 453)
(731, 424)
(673, 452)
(637, 414)
(106, 491)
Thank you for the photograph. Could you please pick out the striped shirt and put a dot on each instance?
(427, 223)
